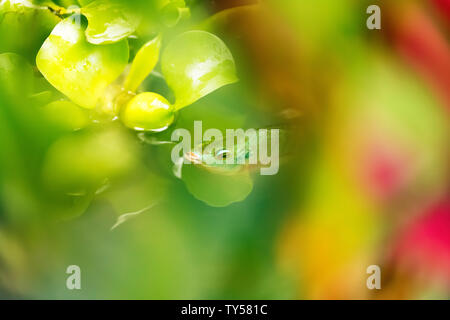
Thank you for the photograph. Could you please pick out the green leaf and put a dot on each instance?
(18, 5)
(173, 12)
(24, 26)
(66, 115)
(144, 62)
(195, 64)
(80, 162)
(217, 190)
(109, 21)
(16, 74)
(80, 70)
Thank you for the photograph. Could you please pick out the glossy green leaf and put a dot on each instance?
(15, 72)
(217, 190)
(24, 26)
(144, 62)
(148, 111)
(80, 70)
(109, 21)
(173, 12)
(195, 64)
(66, 115)
(80, 162)
(20, 6)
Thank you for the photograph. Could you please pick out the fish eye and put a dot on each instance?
(222, 154)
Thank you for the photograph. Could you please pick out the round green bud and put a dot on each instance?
(148, 111)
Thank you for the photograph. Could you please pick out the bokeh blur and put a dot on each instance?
(364, 176)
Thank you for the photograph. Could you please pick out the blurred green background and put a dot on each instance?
(364, 176)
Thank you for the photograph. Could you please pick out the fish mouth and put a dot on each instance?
(193, 157)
